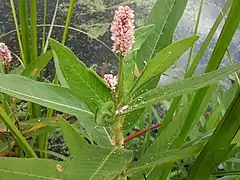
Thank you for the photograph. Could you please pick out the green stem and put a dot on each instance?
(69, 16)
(51, 27)
(118, 136)
(231, 61)
(23, 15)
(18, 33)
(43, 139)
(117, 129)
(36, 109)
(195, 32)
(120, 77)
(33, 27)
(44, 24)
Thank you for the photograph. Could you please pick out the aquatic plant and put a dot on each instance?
(116, 126)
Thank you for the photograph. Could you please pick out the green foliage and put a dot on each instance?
(163, 60)
(181, 87)
(48, 95)
(85, 84)
(111, 132)
(165, 15)
(219, 143)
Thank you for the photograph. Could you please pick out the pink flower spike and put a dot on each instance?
(5, 54)
(110, 80)
(122, 29)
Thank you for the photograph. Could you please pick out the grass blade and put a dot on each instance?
(215, 60)
(225, 37)
(208, 39)
(217, 146)
(69, 15)
(51, 27)
(17, 134)
(23, 15)
(44, 24)
(195, 33)
(17, 30)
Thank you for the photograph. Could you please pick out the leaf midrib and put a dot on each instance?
(161, 30)
(44, 100)
(102, 164)
(96, 95)
(30, 175)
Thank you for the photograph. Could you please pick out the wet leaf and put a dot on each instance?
(165, 14)
(163, 60)
(181, 87)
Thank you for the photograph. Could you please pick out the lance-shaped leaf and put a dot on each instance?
(163, 60)
(31, 169)
(48, 95)
(165, 157)
(92, 162)
(165, 15)
(37, 65)
(78, 77)
(96, 133)
(181, 87)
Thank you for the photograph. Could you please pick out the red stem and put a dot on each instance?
(140, 133)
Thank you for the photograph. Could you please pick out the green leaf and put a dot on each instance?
(37, 65)
(72, 139)
(48, 95)
(78, 77)
(195, 113)
(225, 37)
(97, 134)
(163, 60)
(181, 87)
(223, 104)
(165, 157)
(196, 60)
(165, 141)
(141, 34)
(208, 39)
(30, 169)
(165, 15)
(218, 145)
(132, 118)
(17, 70)
(223, 42)
(92, 162)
